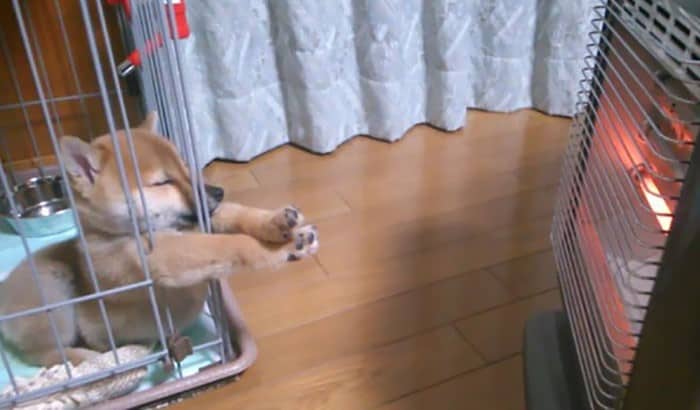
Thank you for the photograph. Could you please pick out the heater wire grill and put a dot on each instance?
(629, 151)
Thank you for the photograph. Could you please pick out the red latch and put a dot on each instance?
(134, 59)
(182, 30)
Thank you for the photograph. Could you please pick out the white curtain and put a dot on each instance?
(318, 72)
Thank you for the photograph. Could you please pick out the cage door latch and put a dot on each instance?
(179, 347)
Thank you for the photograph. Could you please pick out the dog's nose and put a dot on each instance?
(214, 197)
(214, 192)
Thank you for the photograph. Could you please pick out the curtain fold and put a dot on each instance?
(316, 73)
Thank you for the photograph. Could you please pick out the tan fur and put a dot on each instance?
(180, 263)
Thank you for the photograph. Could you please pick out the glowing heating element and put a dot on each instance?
(656, 202)
(680, 130)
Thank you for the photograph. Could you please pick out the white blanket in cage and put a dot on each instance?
(85, 396)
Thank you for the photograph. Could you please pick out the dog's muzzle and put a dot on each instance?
(210, 201)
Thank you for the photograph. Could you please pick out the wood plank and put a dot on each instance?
(430, 202)
(370, 240)
(291, 277)
(374, 280)
(528, 275)
(230, 177)
(449, 183)
(364, 156)
(366, 379)
(498, 333)
(294, 164)
(316, 200)
(283, 355)
(399, 175)
(496, 387)
(319, 200)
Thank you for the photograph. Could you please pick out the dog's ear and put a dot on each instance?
(150, 124)
(81, 161)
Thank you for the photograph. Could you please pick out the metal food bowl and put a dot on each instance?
(41, 208)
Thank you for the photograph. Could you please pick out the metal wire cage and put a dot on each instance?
(38, 104)
(625, 230)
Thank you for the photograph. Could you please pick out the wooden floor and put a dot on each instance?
(434, 251)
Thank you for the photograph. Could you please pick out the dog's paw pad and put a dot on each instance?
(291, 216)
(283, 222)
(305, 243)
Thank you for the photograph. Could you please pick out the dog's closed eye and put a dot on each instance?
(163, 182)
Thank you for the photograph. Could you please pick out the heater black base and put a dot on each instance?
(552, 375)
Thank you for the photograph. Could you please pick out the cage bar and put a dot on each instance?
(230, 348)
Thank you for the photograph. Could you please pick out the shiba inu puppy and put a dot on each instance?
(180, 263)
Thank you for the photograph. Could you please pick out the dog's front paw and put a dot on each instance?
(305, 243)
(282, 222)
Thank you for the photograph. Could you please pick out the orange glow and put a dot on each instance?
(681, 132)
(657, 204)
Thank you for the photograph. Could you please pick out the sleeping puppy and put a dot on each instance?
(180, 262)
